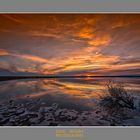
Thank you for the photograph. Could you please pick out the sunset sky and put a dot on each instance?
(70, 44)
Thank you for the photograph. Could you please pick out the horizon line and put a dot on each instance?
(6, 78)
(49, 76)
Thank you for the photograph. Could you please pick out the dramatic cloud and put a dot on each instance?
(70, 44)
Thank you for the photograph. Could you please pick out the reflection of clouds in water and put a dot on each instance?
(71, 93)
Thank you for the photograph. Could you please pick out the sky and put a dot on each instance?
(70, 44)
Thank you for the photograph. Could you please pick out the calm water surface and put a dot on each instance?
(79, 94)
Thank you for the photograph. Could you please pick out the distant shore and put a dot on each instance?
(3, 78)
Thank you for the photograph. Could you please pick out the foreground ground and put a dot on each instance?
(13, 113)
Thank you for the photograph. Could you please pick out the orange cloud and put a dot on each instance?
(13, 18)
(84, 62)
(86, 33)
(31, 57)
(43, 34)
(98, 41)
(3, 52)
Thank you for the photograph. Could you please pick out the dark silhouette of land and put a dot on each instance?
(4, 78)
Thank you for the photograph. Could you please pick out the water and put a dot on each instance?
(79, 94)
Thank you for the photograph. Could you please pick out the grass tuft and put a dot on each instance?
(117, 97)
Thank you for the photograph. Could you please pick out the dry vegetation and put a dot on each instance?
(117, 97)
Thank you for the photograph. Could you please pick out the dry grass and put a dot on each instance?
(117, 97)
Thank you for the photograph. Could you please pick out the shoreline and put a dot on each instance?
(5, 78)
